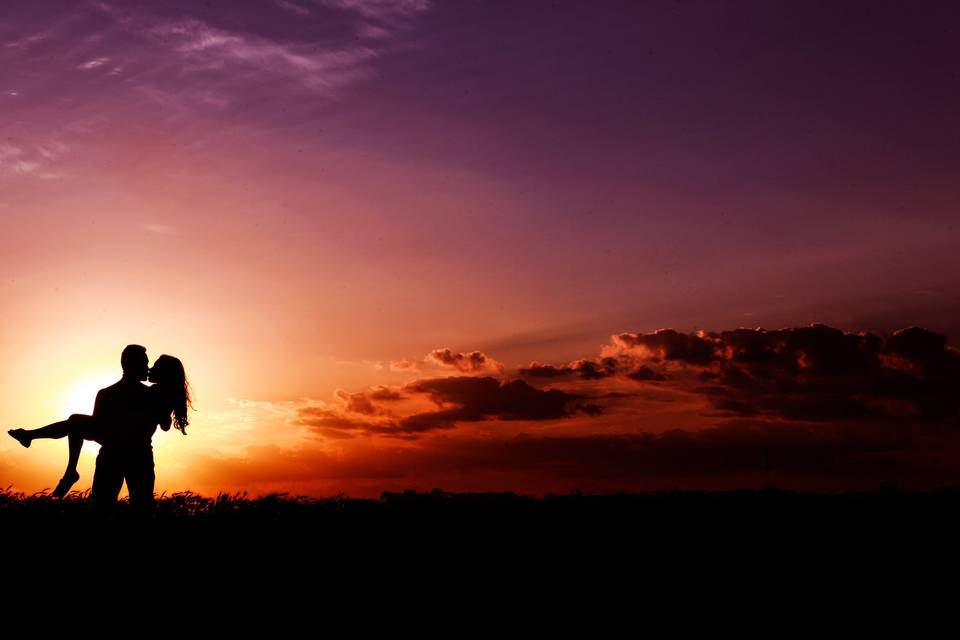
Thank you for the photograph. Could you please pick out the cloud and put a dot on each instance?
(482, 398)
(93, 64)
(372, 31)
(809, 375)
(665, 344)
(220, 54)
(23, 167)
(52, 150)
(807, 407)
(362, 402)
(13, 162)
(815, 373)
(460, 399)
(159, 229)
(815, 349)
(822, 374)
(471, 362)
(921, 352)
(315, 68)
(32, 39)
(14, 159)
(586, 369)
(643, 372)
(380, 9)
(293, 7)
(335, 423)
(381, 392)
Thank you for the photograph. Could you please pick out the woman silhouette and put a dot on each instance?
(170, 398)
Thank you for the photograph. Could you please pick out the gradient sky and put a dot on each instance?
(349, 216)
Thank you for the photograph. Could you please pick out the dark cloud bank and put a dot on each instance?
(810, 407)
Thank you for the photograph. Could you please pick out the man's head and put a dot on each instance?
(134, 362)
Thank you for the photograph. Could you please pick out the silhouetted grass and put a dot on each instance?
(652, 509)
(493, 533)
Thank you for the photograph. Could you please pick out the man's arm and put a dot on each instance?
(98, 405)
(104, 412)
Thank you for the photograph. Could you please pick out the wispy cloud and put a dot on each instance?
(52, 150)
(160, 229)
(293, 7)
(372, 31)
(381, 9)
(323, 69)
(24, 166)
(16, 161)
(93, 64)
(32, 39)
(321, 65)
(12, 161)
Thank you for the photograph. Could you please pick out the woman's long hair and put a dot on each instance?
(168, 373)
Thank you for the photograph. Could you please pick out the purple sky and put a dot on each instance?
(291, 190)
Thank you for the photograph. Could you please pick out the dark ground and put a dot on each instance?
(764, 517)
(501, 546)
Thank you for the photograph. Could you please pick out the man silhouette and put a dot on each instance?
(124, 412)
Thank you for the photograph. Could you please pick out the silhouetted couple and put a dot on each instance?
(125, 417)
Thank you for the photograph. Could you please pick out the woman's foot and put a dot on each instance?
(20, 435)
(67, 481)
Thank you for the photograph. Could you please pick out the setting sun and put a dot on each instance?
(80, 397)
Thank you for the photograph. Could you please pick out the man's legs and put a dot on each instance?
(139, 471)
(107, 481)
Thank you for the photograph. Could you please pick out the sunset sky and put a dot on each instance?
(415, 244)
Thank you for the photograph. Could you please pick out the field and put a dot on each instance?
(765, 514)
(596, 546)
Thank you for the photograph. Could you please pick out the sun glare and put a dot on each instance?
(80, 397)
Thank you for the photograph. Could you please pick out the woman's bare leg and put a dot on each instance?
(75, 444)
(74, 428)
(53, 430)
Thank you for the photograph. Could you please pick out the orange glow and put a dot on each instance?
(80, 398)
